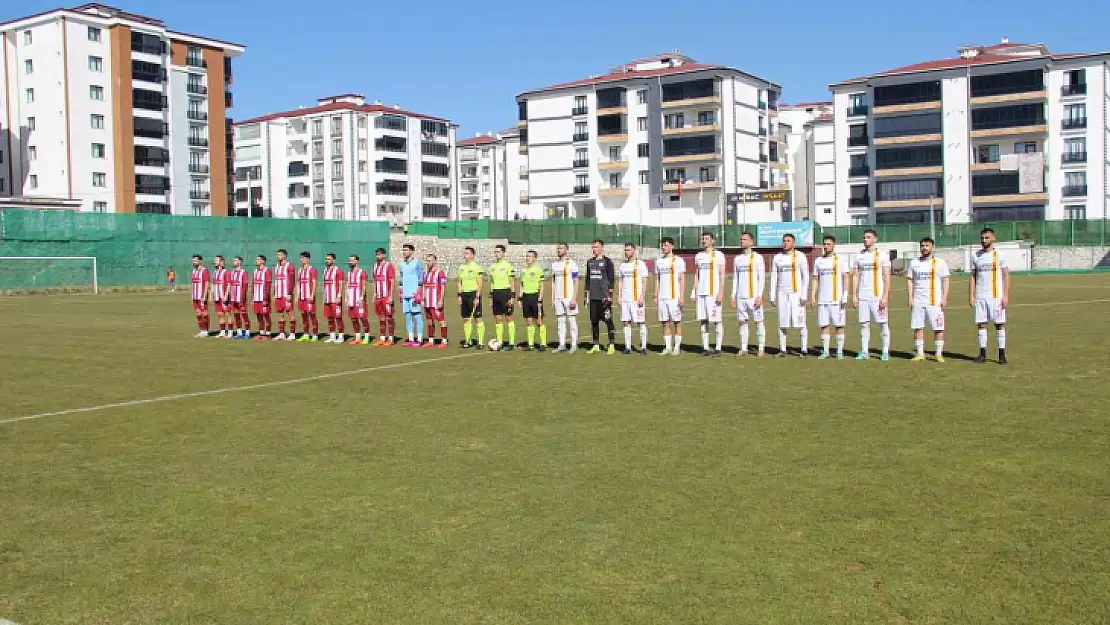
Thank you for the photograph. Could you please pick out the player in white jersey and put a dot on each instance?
(928, 287)
(632, 277)
(564, 293)
(990, 293)
(789, 283)
(709, 292)
(670, 287)
(871, 294)
(749, 275)
(828, 292)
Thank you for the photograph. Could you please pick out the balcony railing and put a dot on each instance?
(200, 195)
(151, 162)
(149, 190)
(228, 100)
(993, 124)
(1079, 89)
(198, 116)
(579, 110)
(1075, 157)
(147, 48)
(197, 142)
(857, 111)
(580, 189)
(862, 170)
(859, 201)
(1071, 123)
(197, 89)
(581, 136)
(195, 168)
(579, 163)
(195, 62)
(297, 172)
(857, 142)
(1078, 190)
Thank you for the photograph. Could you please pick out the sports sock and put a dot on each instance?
(574, 333)
(643, 336)
(825, 342)
(840, 343)
(745, 334)
(805, 339)
(1001, 333)
(562, 324)
(531, 333)
(409, 328)
(543, 335)
(668, 341)
(292, 325)
(919, 345)
(499, 331)
(281, 326)
(677, 343)
(884, 334)
(418, 324)
(720, 336)
(512, 332)
(391, 327)
(339, 325)
(705, 336)
(612, 333)
(982, 334)
(481, 332)
(443, 331)
(782, 340)
(468, 330)
(628, 337)
(939, 345)
(864, 337)
(761, 335)
(381, 327)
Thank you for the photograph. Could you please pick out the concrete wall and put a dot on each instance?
(1049, 257)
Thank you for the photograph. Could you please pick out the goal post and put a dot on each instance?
(40, 273)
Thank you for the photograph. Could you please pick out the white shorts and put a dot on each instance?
(869, 311)
(791, 312)
(669, 310)
(831, 315)
(920, 313)
(990, 311)
(563, 307)
(746, 309)
(708, 309)
(632, 312)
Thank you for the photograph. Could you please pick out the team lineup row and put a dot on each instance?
(828, 287)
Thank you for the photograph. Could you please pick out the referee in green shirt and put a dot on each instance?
(470, 299)
(502, 276)
(531, 301)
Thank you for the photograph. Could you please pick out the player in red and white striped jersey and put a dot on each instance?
(260, 297)
(221, 293)
(238, 284)
(201, 288)
(432, 291)
(306, 299)
(356, 301)
(385, 280)
(285, 277)
(333, 299)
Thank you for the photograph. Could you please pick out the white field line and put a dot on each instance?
(232, 389)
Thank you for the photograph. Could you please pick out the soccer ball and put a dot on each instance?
(493, 345)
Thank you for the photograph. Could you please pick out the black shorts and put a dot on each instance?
(468, 310)
(502, 302)
(601, 310)
(530, 306)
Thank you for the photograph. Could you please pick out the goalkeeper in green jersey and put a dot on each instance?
(531, 302)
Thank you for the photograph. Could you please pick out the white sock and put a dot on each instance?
(782, 340)
(840, 344)
(720, 335)
(677, 343)
(628, 337)
(982, 338)
(884, 334)
(667, 342)
(562, 331)
(574, 334)
(705, 336)
(643, 337)
(864, 337)
(410, 338)
(825, 338)
(805, 339)
(761, 335)
(940, 348)
(1001, 338)
(358, 336)
(745, 334)
(919, 344)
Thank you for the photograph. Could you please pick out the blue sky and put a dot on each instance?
(467, 60)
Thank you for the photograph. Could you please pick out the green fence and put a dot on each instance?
(1067, 233)
(136, 250)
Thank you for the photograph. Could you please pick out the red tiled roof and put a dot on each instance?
(803, 105)
(475, 141)
(617, 76)
(337, 106)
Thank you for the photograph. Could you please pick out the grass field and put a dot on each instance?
(458, 487)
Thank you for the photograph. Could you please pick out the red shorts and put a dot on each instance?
(200, 305)
(238, 307)
(358, 311)
(306, 306)
(383, 307)
(223, 307)
(283, 305)
(262, 308)
(435, 314)
(333, 311)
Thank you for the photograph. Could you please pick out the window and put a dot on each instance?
(674, 174)
(100, 207)
(908, 93)
(1, 185)
(642, 150)
(857, 101)
(31, 123)
(317, 128)
(1075, 179)
(1074, 114)
(615, 181)
(858, 195)
(28, 66)
(100, 180)
(580, 129)
(362, 145)
(582, 180)
(707, 118)
(27, 38)
(641, 96)
(337, 169)
(485, 203)
(337, 147)
(485, 170)
(98, 150)
(641, 123)
(1075, 211)
(96, 121)
(96, 64)
(579, 104)
(643, 177)
(1025, 147)
(362, 121)
(1077, 145)
(32, 181)
(337, 189)
(674, 120)
(485, 187)
(362, 165)
(32, 153)
(707, 174)
(391, 122)
(904, 125)
(337, 125)
(29, 96)
(581, 155)
(894, 190)
(438, 129)
(987, 154)
(363, 188)
(1007, 116)
(96, 92)
(614, 152)
(94, 36)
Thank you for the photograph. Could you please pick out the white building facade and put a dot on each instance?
(658, 141)
(968, 135)
(115, 111)
(493, 177)
(346, 159)
(794, 120)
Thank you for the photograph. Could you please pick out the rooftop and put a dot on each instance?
(471, 141)
(345, 102)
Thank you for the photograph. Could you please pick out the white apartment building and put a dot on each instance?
(115, 111)
(970, 134)
(493, 178)
(661, 141)
(346, 159)
(793, 121)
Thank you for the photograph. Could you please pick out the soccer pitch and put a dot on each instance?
(163, 479)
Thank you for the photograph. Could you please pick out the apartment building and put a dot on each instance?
(493, 177)
(116, 111)
(1002, 132)
(662, 140)
(793, 126)
(345, 159)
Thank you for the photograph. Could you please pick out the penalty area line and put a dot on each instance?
(231, 389)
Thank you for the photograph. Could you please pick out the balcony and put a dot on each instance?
(689, 129)
(229, 101)
(141, 189)
(580, 137)
(581, 189)
(1073, 124)
(200, 195)
(197, 116)
(196, 62)
(858, 142)
(149, 76)
(523, 173)
(579, 111)
(470, 175)
(196, 168)
(616, 109)
(522, 149)
(469, 191)
(612, 165)
(859, 202)
(1001, 128)
(907, 104)
(701, 101)
(617, 136)
(858, 110)
(196, 89)
(691, 185)
(523, 197)
(614, 191)
(147, 48)
(691, 157)
(1075, 191)
(861, 171)
(197, 142)
(1074, 157)
(581, 163)
(297, 172)
(1080, 89)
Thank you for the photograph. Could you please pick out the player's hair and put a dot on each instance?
(792, 237)
(499, 247)
(563, 243)
(218, 257)
(828, 237)
(666, 240)
(239, 258)
(750, 235)
(263, 257)
(599, 241)
(306, 255)
(469, 249)
(282, 251)
(533, 253)
(631, 245)
(708, 234)
(928, 240)
(986, 230)
(329, 255)
(871, 232)
(409, 246)
(432, 256)
(198, 257)
(354, 256)
(380, 250)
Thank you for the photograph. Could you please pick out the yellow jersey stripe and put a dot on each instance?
(933, 282)
(712, 273)
(836, 278)
(566, 280)
(875, 275)
(636, 283)
(751, 274)
(674, 278)
(794, 272)
(994, 274)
